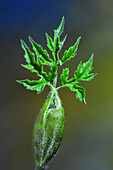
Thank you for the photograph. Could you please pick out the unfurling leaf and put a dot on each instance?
(56, 48)
(33, 84)
(59, 30)
(80, 92)
(89, 77)
(64, 76)
(87, 67)
(83, 71)
(29, 56)
(40, 52)
(78, 72)
(50, 42)
(63, 41)
(52, 72)
(57, 44)
(71, 52)
(30, 59)
(33, 66)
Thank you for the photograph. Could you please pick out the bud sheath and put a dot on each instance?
(48, 130)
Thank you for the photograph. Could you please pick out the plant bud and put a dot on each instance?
(48, 130)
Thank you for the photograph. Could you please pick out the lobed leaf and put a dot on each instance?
(78, 72)
(59, 30)
(87, 67)
(53, 72)
(31, 68)
(89, 77)
(29, 56)
(33, 84)
(63, 41)
(30, 59)
(80, 92)
(57, 44)
(50, 42)
(56, 48)
(64, 76)
(83, 71)
(40, 52)
(71, 52)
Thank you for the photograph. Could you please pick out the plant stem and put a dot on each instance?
(55, 82)
(39, 168)
(60, 87)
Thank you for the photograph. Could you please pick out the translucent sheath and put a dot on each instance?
(48, 130)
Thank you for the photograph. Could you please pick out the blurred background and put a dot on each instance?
(88, 137)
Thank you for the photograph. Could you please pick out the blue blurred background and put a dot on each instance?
(88, 138)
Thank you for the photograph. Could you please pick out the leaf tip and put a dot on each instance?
(18, 81)
(84, 101)
(22, 43)
(79, 38)
(30, 39)
(46, 34)
(63, 19)
(92, 55)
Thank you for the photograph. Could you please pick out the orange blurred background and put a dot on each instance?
(88, 138)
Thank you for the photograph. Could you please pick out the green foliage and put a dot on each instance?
(33, 85)
(53, 72)
(83, 71)
(71, 52)
(40, 52)
(56, 45)
(80, 92)
(59, 30)
(50, 42)
(32, 65)
(37, 60)
(81, 74)
(64, 76)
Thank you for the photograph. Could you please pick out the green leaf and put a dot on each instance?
(31, 68)
(64, 76)
(89, 77)
(63, 41)
(78, 72)
(80, 92)
(57, 44)
(87, 67)
(71, 52)
(56, 48)
(33, 84)
(59, 30)
(53, 72)
(50, 42)
(40, 52)
(83, 70)
(30, 59)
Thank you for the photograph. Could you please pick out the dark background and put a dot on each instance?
(88, 138)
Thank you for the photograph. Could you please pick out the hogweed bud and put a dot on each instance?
(48, 130)
(49, 125)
